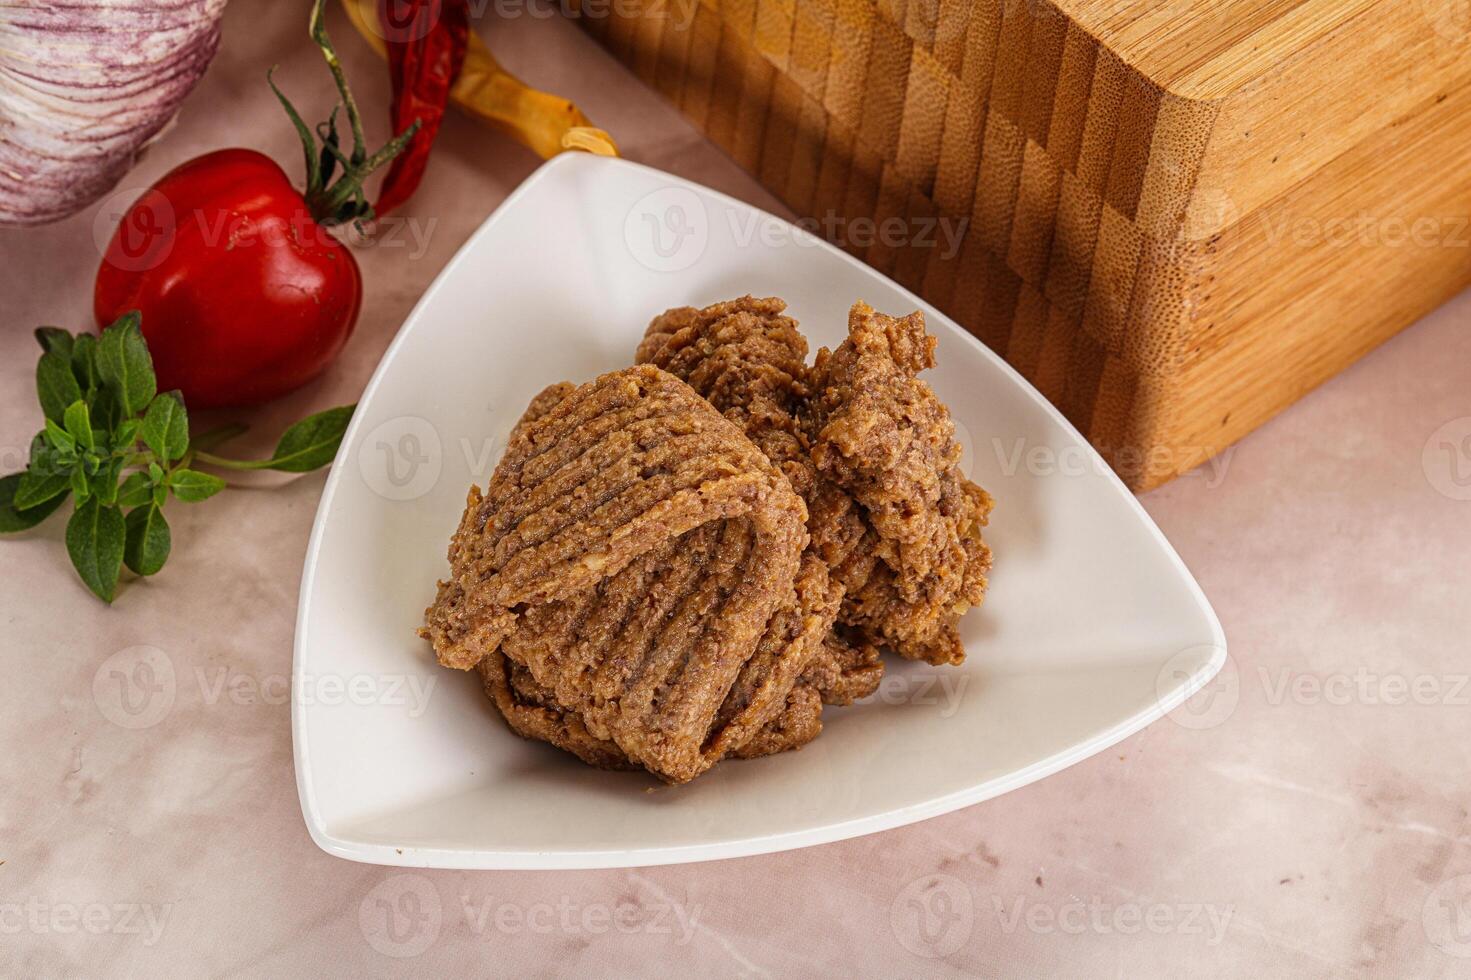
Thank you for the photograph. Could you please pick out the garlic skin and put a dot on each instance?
(83, 86)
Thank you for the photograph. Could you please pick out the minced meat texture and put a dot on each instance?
(749, 360)
(880, 434)
(640, 558)
(871, 450)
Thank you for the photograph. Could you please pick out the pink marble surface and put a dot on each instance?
(1319, 827)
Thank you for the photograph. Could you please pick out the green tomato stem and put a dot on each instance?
(317, 28)
(343, 200)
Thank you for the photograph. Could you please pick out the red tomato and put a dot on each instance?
(244, 295)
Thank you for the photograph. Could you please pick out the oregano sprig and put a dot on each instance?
(119, 449)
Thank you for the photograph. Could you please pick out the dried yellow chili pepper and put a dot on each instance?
(546, 123)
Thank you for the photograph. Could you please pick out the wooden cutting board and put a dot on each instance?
(1175, 217)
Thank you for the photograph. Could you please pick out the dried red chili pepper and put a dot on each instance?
(426, 50)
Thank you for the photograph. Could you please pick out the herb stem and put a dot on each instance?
(233, 464)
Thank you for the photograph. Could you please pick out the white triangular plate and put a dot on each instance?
(1092, 628)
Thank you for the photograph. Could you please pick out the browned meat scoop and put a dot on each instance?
(641, 562)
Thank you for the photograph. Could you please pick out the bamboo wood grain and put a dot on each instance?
(1122, 175)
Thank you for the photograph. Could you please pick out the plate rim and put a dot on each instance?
(651, 856)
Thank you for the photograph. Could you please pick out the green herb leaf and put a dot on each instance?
(166, 427)
(59, 439)
(192, 486)
(135, 491)
(13, 518)
(42, 458)
(46, 461)
(104, 481)
(34, 489)
(78, 422)
(55, 338)
(312, 442)
(126, 434)
(155, 472)
(160, 494)
(148, 540)
(107, 414)
(56, 386)
(124, 365)
(84, 361)
(95, 537)
(81, 486)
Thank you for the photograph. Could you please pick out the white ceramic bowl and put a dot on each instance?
(1092, 628)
